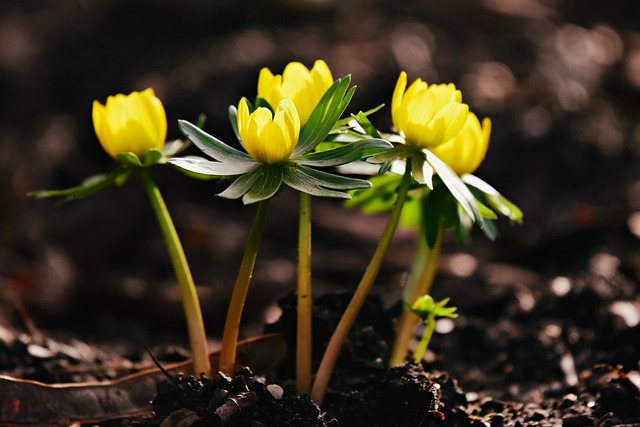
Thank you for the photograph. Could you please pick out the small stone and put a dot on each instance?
(275, 390)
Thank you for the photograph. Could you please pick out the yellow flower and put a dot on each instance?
(305, 87)
(135, 123)
(267, 138)
(466, 151)
(427, 115)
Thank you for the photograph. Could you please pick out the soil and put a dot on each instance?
(549, 326)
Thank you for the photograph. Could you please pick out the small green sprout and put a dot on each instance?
(428, 310)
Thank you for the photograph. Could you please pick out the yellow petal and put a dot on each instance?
(304, 87)
(396, 99)
(243, 118)
(456, 117)
(467, 150)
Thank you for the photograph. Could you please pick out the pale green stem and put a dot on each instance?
(239, 295)
(425, 274)
(190, 301)
(303, 349)
(364, 287)
(430, 324)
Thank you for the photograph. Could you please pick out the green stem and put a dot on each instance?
(303, 348)
(239, 295)
(419, 284)
(348, 318)
(190, 302)
(426, 338)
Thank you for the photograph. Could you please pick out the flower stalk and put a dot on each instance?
(304, 326)
(190, 302)
(422, 275)
(239, 295)
(364, 287)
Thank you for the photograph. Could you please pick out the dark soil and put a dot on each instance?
(549, 326)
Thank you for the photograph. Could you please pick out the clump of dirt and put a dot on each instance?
(244, 400)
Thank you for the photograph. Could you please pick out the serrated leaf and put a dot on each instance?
(324, 116)
(88, 187)
(345, 154)
(129, 159)
(267, 184)
(203, 166)
(455, 185)
(210, 145)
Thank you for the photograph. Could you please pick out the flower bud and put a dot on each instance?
(135, 123)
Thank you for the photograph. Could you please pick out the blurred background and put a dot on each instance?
(560, 80)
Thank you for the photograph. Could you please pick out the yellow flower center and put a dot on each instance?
(269, 138)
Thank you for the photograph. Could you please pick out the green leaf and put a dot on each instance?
(433, 210)
(324, 116)
(261, 102)
(203, 166)
(422, 171)
(379, 198)
(485, 211)
(318, 183)
(398, 152)
(129, 159)
(298, 180)
(267, 184)
(490, 230)
(347, 120)
(345, 154)
(171, 148)
(151, 158)
(329, 180)
(366, 125)
(455, 185)
(88, 187)
(211, 146)
(495, 200)
(241, 185)
(233, 119)
(425, 307)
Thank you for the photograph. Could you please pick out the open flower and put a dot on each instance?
(427, 115)
(305, 87)
(467, 149)
(134, 123)
(279, 151)
(269, 138)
